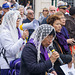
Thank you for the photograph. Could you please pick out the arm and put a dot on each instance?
(9, 45)
(29, 56)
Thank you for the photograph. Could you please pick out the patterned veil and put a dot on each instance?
(39, 35)
(9, 23)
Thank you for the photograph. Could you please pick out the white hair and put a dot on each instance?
(20, 6)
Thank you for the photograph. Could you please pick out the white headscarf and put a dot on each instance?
(39, 35)
(9, 23)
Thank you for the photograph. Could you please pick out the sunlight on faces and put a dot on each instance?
(47, 41)
(52, 10)
(18, 20)
(30, 14)
(62, 10)
(21, 11)
(57, 25)
(62, 19)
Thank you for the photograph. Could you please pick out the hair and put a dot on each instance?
(27, 11)
(59, 13)
(44, 9)
(72, 11)
(51, 19)
(0, 8)
(20, 6)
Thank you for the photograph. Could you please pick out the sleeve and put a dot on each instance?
(9, 45)
(71, 28)
(30, 59)
(67, 58)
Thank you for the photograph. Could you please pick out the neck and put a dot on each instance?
(45, 15)
(22, 15)
(30, 19)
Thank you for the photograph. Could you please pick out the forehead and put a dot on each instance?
(52, 8)
(30, 11)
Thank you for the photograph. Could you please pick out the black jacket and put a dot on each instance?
(66, 58)
(29, 65)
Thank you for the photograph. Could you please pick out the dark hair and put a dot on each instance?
(72, 11)
(0, 8)
(51, 19)
(52, 33)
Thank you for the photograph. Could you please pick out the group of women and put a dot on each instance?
(35, 58)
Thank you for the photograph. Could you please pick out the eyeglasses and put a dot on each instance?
(18, 18)
(62, 18)
(30, 13)
(52, 10)
(63, 8)
(45, 10)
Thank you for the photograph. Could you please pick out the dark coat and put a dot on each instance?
(70, 26)
(29, 65)
(66, 58)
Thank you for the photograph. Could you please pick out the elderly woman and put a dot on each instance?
(35, 59)
(63, 29)
(11, 40)
(60, 44)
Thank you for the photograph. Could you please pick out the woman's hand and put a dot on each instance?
(25, 34)
(70, 41)
(54, 56)
(53, 72)
(70, 64)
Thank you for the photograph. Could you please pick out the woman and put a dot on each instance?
(43, 15)
(60, 44)
(34, 59)
(11, 40)
(21, 9)
(63, 29)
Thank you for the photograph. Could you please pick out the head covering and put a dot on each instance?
(9, 23)
(5, 5)
(62, 5)
(39, 35)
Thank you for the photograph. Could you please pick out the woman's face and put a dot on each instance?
(21, 11)
(47, 41)
(17, 23)
(62, 19)
(57, 25)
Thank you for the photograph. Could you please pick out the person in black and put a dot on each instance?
(35, 59)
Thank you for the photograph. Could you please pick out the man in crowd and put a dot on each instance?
(5, 8)
(52, 10)
(30, 17)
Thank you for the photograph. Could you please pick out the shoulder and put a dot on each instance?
(29, 47)
(26, 20)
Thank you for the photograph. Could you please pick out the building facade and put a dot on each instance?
(38, 5)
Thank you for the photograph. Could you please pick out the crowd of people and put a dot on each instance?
(39, 49)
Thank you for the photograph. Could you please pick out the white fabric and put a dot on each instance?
(9, 23)
(0, 28)
(11, 48)
(9, 38)
(39, 35)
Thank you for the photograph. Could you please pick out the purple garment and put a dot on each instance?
(65, 32)
(19, 34)
(42, 49)
(62, 41)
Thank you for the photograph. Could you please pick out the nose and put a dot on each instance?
(50, 41)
